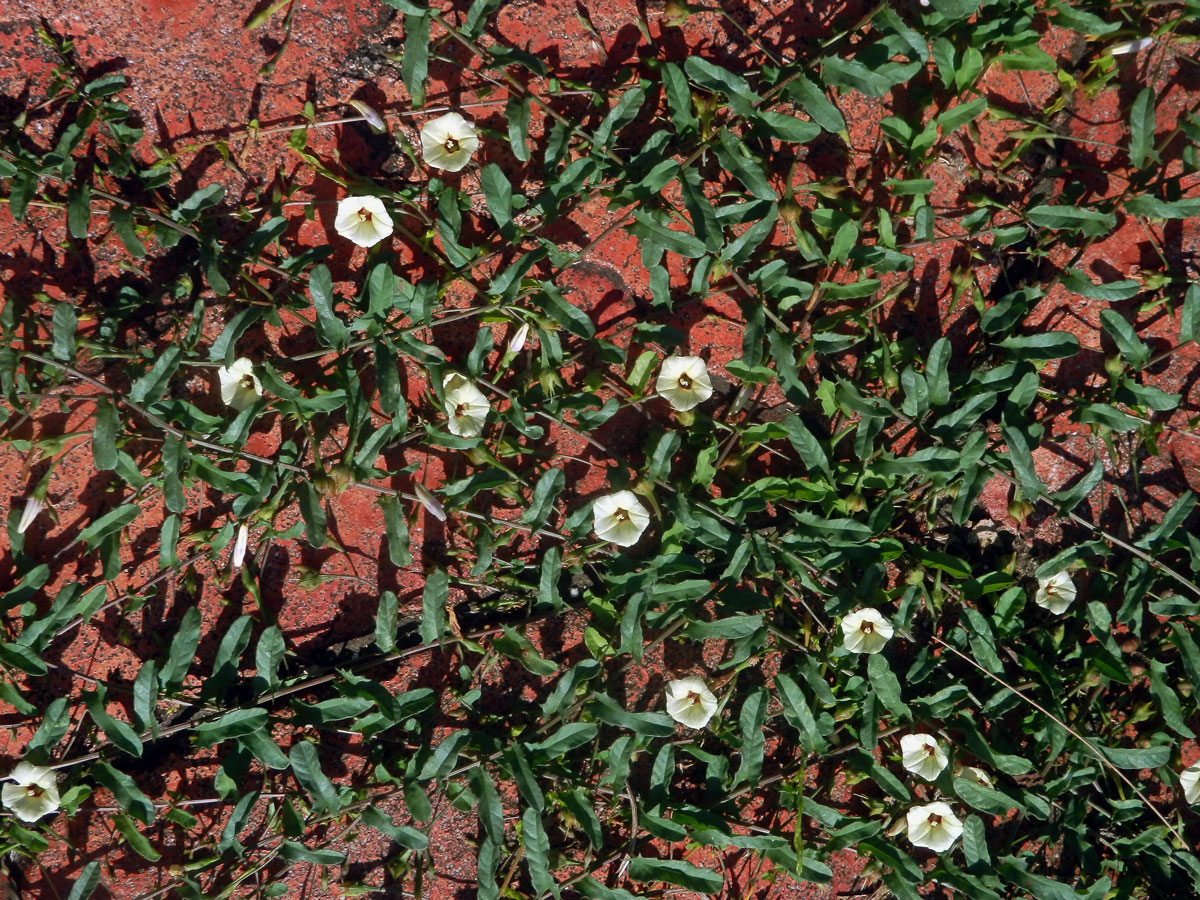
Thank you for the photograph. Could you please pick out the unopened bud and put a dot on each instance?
(432, 505)
(239, 546)
(1130, 46)
(374, 119)
(517, 342)
(675, 13)
(1020, 509)
(29, 513)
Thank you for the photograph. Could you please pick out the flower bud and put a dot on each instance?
(675, 13)
(33, 506)
(239, 546)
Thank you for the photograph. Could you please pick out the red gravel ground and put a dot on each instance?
(196, 74)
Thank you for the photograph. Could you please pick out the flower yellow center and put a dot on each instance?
(247, 383)
(451, 145)
(685, 382)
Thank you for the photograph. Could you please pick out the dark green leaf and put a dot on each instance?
(414, 64)
(183, 649)
(675, 871)
(433, 606)
(1141, 127)
(306, 764)
(137, 840)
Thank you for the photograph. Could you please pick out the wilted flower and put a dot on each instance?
(363, 220)
(239, 546)
(466, 406)
(240, 387)
(33, 506)
(432, 505)
(976, 774)
(690, 702)
(922, 756)
(684, 382)
(448, 141)
(517, 342)
(1189, 780)
(1055, 593)
(1130, 46)
(866, 631)
(933, 825)
(620, 518)
(34, 793)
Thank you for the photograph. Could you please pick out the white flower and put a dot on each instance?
(517, 342)
(620, 518)
(1130, 46)
(977, 775)
(33, 506)
(240, 387)
(448, 141)
(432, 505)
(922, 756)
(466, 406)
(1189, 780)
(684, 382)
(1055, 593)
(690, 702)
(933, 825)
(866, 631)
(363, 220)
(239, 546)
(34, 794)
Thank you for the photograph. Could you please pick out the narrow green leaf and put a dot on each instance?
(1134, 758)
(385, 622)
(796, 710)
(1132, 350)
(975, 848)
(233, 724)
(125, 790)
(183, 649)
(414, 64)
(313, 512)
(117, 731)
(104, 435)
(607, 710)
(404, 835)
(1142, 124)
(433, 606)
(537, 851)
(64, 324)
(675, 871)
(86, 882)
(567, 738)
(577, 803)
(497, 192)
(109, 523)
(331, 331)
(151, 386)
(306, 764)
(541, 505)
(138, 841)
